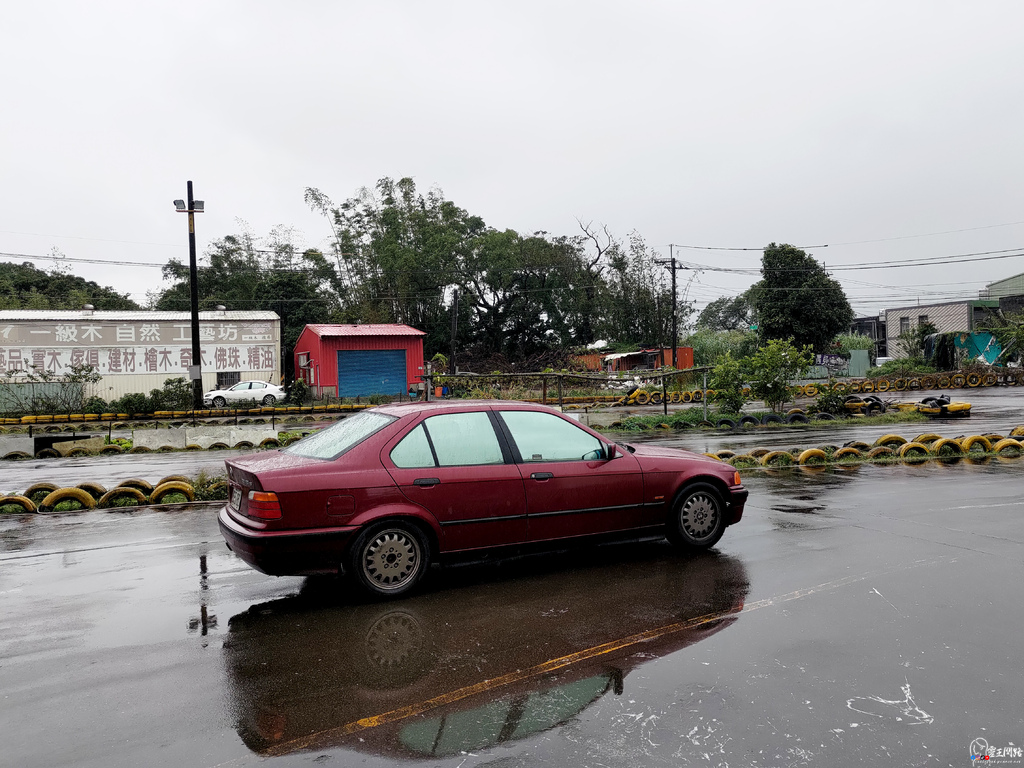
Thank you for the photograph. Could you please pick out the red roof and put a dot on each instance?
(364, 329)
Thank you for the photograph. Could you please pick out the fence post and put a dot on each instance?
(664, 394)
(544, 390)
(559, 391)
(704, 395)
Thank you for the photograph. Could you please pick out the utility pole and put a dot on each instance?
(196, 369)
(675, 303)
(455, 328)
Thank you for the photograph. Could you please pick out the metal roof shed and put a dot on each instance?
(360, 360)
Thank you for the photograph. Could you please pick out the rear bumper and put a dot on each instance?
(737, 498)
(286, 553)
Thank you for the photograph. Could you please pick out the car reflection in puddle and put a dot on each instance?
(495, 655)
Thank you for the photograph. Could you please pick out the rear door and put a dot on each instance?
(454, 465)
(571, 489)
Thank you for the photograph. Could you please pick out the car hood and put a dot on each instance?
(649, 455)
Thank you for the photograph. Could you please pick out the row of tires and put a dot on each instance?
(886, 448)
(113, 448)
(60, 418)
(47, 497)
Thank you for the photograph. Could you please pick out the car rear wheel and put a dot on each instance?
(219, 402)
(269, 400)
(388, 560)
(698, 517)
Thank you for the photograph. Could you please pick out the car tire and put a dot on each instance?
(698, 517)
(387, 560)
(269, 400)
(219, 402)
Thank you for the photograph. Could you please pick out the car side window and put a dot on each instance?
(240, 387)
(258, 385)
(414, 451)
(464, 439)
(545, 437)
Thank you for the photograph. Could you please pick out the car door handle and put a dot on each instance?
(541, 476)
(426, 481)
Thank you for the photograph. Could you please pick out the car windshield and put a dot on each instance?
(332, 442)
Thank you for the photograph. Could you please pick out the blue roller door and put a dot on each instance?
(371, 372)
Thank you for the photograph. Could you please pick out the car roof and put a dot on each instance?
(420, 406)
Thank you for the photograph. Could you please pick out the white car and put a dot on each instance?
(260, 391)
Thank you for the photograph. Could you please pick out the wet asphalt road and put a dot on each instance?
(865, 616)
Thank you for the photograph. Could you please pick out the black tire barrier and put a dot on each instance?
(14, 500)
(47, 453)
(771, 418)
(112, 448)
(822, 416)
(749, 421)
(93, 489)
(137, 482)
(725, 424)
(110, 499)
(797, 418)
(83, 498)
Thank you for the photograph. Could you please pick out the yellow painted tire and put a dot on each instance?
(809, 456)
(712, 456)
(698, 395)
(773, 458)
(889, 441)
(112, 448)
(927, 382)
(989, 380)
(743, 460)
(656, 398)
(946, 447)
(927, 437)
(810, 390)
(270, 442)
(914, 451)
(686, 397)
(854, 387)
(43, 489)
(106, 501)
(913, 383)
(642, 398)
(882, 385)
(1017, 432)
(973, 380)
(67, 494)
(137, 482)
(841, 387)
(867, 386)
(791, 411)
(725, 455)
(174, 486)
(758, 453)
(900, 385)
(969, 442)
(846, 453)
(943, 382)
(957, 381)
(1008, 443)
(15, 500)
(881, 452)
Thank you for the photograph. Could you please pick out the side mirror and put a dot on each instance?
(611, 451)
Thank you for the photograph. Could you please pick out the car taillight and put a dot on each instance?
(736, 479)
(263, 506)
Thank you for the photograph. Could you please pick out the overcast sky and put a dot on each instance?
(890, 131)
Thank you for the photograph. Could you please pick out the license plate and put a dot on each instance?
(236, 498)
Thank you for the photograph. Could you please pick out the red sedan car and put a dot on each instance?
(382, 493)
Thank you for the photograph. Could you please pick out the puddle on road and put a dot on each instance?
(469, 666)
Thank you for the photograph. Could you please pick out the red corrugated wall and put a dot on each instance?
(323, 352)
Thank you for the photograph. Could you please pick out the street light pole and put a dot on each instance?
(196, 369)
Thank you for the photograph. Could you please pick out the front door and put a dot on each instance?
(571, 488)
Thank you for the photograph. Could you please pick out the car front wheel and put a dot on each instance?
(219, 402)
(387, 560)
(698, 517)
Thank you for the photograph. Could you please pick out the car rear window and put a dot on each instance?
(332, 442)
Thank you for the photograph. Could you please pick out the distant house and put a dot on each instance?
(360, 360)
(645, 359)
(948, 317)
(1009, 293)
(873, 327)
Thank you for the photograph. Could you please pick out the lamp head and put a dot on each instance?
(179, 205)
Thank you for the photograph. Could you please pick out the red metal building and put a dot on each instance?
(360, 360)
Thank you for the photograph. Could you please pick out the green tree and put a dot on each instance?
(773, 367)
(244, 273)
(737, 313)
(728, 381)
(797, 299)
(912, 340)
(23, 286)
